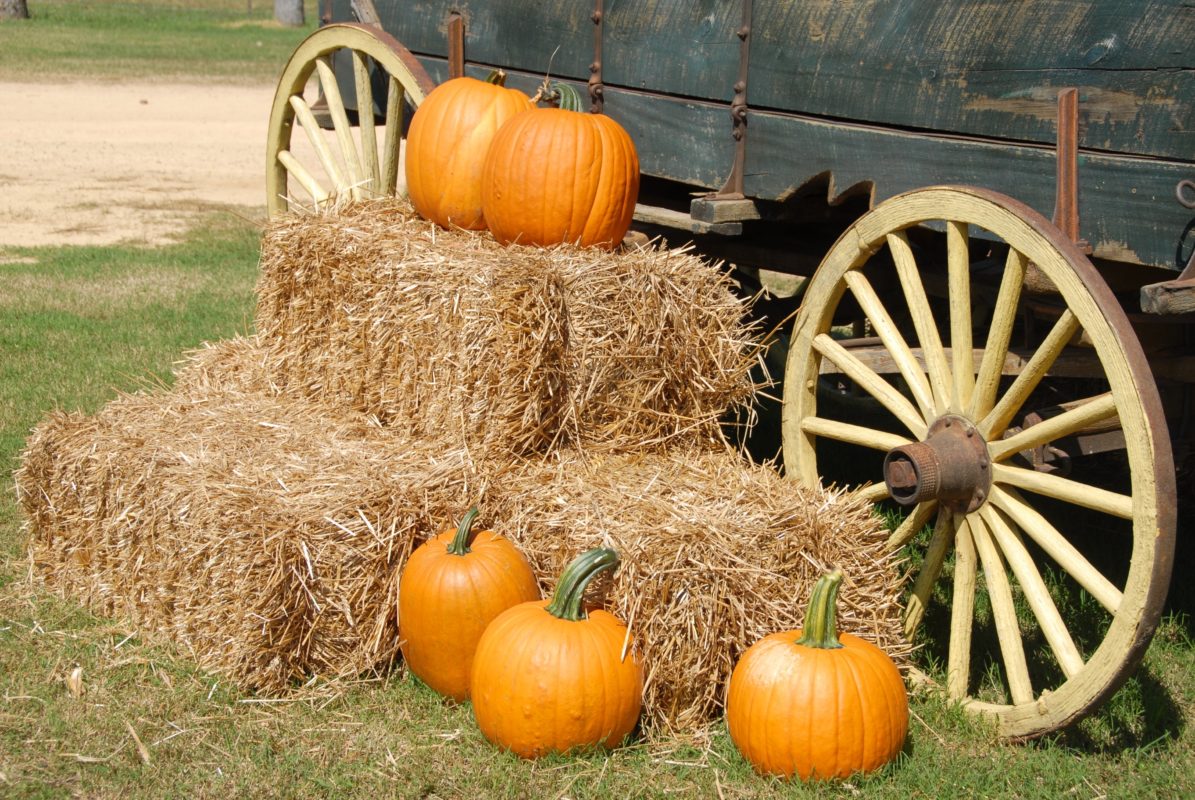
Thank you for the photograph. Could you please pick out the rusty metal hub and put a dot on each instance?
(951, 466)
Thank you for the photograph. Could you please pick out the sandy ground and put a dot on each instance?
(84, 163)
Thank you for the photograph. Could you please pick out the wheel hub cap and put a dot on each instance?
(951, 466)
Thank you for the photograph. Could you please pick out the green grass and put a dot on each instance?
(113, 40)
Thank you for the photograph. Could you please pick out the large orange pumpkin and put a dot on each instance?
(447, 143)
(453, 585)
(560, 175)
(548, 678)
(813, 704)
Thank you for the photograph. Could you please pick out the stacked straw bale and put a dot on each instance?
(259, 511)
(508, 350)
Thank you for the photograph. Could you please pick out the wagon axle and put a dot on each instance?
(951, 465)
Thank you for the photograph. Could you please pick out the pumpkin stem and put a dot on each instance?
(559, 95)
(821, 629)
(566, 601)
(496, 77)
(459, 546)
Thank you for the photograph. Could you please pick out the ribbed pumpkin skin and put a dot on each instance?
(547, 685)
(555, 176)
(446, 147)
(445, 602)
(797, 710)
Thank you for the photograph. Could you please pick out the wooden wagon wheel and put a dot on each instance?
(349, 164)
(954, 443)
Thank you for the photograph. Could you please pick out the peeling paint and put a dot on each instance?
(1041, 102)
(1116, 251)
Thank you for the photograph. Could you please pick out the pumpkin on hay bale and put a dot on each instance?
(259, 511)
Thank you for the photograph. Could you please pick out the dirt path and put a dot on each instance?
(91, 163)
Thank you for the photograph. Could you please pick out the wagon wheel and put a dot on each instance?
(346, 164)
(954, 455)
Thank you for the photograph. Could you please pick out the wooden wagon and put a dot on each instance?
(987, 208)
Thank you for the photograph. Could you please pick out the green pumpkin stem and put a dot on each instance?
(821, 629)
(570, 591)
(460, 543)
(496, 77)
(560, 95)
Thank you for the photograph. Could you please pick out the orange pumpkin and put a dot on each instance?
(813, 704)
(548, 678)
(560, 175)
(447, 143)
(451, 588)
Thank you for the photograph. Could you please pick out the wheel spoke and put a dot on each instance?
(873, 493)
(365, 123)
(395, 103)
(995, 348)
(962, 614)
(931, 567)
(923, 320)
(958, 265)
(318, 193)
(854, 434)
(1008, 630)
(1036, 593)
(868, 380)
(1088, 412)
(1080, 494)
(1039, 529)
(312, 129)
(884, 326)
(1034, 370)
(912, 524)
(340, 121)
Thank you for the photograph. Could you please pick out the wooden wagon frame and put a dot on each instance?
(1008, 295)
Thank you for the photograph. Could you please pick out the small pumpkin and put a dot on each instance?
(560, 175)
(815, 704)
(549, 678)
(452, 587)
(447, 143)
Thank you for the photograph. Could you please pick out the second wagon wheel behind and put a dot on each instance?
(346, 164)
(1008, 554)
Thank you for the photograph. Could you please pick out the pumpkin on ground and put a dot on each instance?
(560, 175)
(447, 143)
(548, 678)
(452, 587)
(813, 704)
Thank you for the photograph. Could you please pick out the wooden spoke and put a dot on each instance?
(318, 193)
(923, 320)
(340, 121)
(873, 493)
(1039, 529)
(886, 328)
(912, 524)
(311, 128)
(365, 123)
(1036, 593)
(1004, 315)
(1008, 630)
(854, 434)
(395, 111)
(1034, 370)
(869, 381)
(1065, 489)
(931, 567)
(962, 614)
(1089, 412)
(351, 162)
(958, 266)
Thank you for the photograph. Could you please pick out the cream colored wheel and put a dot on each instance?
(333, 167)
(970, 396)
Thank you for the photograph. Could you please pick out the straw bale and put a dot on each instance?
(716, 553)
(260, 533)
(508, 350)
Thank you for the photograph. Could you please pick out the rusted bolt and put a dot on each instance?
(597, 17)
(744, 32)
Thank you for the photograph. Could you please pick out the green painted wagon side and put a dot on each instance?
(875, 97)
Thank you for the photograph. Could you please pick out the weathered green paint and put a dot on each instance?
(880, 96)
